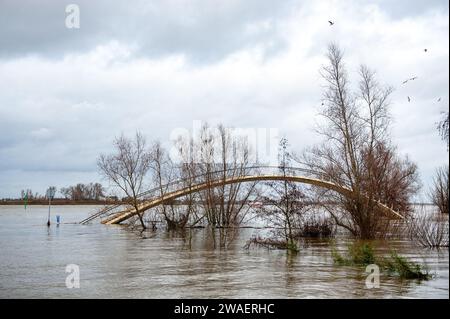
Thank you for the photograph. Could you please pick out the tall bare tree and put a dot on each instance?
(357, 152)
(219, 155)
(127, 168)
(223, 156)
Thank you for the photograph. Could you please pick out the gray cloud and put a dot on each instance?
(411, 8)
(155, 66)
(204, 31)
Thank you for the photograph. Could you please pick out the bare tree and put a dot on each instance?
(389, 178)
(439, 195)
(50, 193)
(127, 167)
(429, 230)
(91, 191)
(187, 173)
(221, 156)
(28, 193)
(356, 153)
(443, 127)
(286, 203)
(165, 172)
(97, 191)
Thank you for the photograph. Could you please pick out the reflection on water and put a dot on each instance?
(118, 263)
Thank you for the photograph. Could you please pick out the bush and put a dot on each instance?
(428, 231)
(316, 228)
(339, 259)
(406, 269)
(357, 255)
(270, 243)
(364, 255)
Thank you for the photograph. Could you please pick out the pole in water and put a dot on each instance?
(50, 193)
(48, 219)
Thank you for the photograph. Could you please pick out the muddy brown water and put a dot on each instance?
(115, 262)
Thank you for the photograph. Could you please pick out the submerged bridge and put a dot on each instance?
(115, 214)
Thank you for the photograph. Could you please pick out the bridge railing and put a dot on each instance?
(205, 176)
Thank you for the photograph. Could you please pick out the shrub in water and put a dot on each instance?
(364, 255)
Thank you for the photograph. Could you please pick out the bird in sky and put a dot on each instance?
(425, 50)
(410, 79)
(409, 99)
(330, 22)
(439, 99)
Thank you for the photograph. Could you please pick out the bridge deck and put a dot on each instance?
(124, 215)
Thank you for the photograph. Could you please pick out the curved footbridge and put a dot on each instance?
(178, 189)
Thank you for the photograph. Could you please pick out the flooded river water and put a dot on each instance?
(115, 262)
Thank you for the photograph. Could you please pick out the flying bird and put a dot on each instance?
(409, 99)
(410, 79)
(425, 50)
(330, 22)
(439, 99)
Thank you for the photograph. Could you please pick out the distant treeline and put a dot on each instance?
(80, 191)
(91, 193)
(60, 201)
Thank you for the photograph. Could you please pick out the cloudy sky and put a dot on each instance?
(156, 66)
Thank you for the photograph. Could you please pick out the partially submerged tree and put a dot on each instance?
(286, 202)
(127, 168)
(219, 155)
(164, 172)
(390, 179)
(222, 156)
(440, 193)
(429, 230)
(187, 174)
(357, 152)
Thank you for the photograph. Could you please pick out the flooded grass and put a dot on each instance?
(405, 269)
(362, 254)
(358, 254)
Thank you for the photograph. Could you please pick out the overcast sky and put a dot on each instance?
(156, 66)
